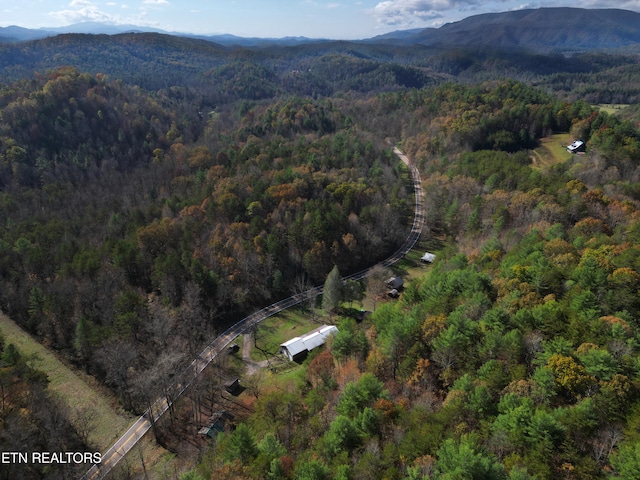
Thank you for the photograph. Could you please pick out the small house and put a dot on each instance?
(300, 346)
(233, 348)
(577, 146)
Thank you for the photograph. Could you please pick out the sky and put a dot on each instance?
(334, 19)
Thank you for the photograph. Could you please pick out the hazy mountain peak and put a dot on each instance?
(563, 28)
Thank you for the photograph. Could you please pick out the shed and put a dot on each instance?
(428, 258)
(216, 424)
(301, 345)
(232, 385)
(394, 282)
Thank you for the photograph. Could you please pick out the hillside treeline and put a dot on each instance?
(228, 74)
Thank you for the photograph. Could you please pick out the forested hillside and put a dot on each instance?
(132, 230)
(228, 74)
(516, 356)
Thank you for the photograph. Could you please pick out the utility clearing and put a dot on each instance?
(78, 390)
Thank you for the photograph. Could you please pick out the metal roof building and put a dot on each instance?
(577, 146)
(299, 345)
(428, 257)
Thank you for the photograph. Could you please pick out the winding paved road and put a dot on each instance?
(125, 443)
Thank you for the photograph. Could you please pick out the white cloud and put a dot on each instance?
(421, 13)
(80, 3)
(330, 5)
(622, 4)
(156, 2)
(87, 11)
(82, 11)
(404, 14)
(409, 13)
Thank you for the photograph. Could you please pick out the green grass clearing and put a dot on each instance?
(552, 150)
(411, 267)
(280, 328)
(77, 389)
(612, 108)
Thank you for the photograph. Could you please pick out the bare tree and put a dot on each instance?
(84, 421)
(162, 322)
(532, 344)
(376, 287)
(117, 358)
(163, 372)
(254, 382)
(605, 441)
(302, 284)
(192, 322)
(144, 466)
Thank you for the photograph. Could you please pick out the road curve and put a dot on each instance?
(143, 424)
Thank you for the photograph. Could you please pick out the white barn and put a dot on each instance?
(300, 345)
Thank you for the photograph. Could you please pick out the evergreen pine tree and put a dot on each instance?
(332, 290)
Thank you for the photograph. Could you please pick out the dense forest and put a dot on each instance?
(141, 215)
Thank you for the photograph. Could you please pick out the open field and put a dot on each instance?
(552, 150)
(76, 388)
(612, 108)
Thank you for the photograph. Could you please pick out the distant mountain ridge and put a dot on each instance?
(542, 29)
(14, 34)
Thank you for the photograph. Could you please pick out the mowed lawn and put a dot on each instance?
(78, 390)
(552, 150)
(284, 326)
